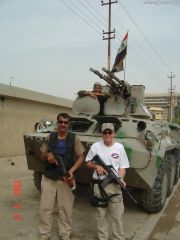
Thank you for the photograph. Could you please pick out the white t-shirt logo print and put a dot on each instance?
(115, 155)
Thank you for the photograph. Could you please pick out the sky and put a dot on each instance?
(49, 45)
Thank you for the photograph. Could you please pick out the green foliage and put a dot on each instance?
(177, 113)
(176, 120)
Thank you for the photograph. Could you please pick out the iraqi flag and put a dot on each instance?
(122, 51)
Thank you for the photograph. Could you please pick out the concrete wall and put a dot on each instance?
(20, 109)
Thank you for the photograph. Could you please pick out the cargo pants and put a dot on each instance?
(50, 191)
(109, 220)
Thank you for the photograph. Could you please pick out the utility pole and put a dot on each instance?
(109, 33)
(171, 91)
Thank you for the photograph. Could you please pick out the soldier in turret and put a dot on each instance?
(96, 93)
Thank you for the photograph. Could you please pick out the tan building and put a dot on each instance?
(157, 113)
(20, 109)
(162, 100)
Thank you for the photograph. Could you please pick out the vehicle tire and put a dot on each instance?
(153, 200)
(177, 154)
(37, 179)
(171, 173)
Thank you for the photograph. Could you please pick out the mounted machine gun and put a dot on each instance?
(118, 88)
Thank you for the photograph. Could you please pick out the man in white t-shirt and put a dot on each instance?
(109, 219)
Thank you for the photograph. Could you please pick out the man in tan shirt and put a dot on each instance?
(66, 145)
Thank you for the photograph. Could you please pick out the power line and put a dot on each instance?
(155, 51)
(100, 19)
(139, 58)
(97, 17)
(82, 18)
(139, 55)
(94, 26)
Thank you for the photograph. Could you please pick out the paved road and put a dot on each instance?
(19, 210)
(168, 226)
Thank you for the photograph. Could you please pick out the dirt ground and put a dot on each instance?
(168, 226)
(19, 205)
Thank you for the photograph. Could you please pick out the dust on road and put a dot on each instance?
(26, 206)
(168, 226)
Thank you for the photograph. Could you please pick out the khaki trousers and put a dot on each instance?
(109, 220)
(50, 191)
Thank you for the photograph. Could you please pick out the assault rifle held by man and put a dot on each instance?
(111, 176)
(62, 169)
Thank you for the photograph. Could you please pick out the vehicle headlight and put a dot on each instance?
(149, 135)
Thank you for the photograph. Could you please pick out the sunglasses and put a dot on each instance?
(65, 122)
(107, 132)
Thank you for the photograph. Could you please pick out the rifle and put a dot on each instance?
(62, 169)
(112, 175)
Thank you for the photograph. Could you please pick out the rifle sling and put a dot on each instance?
(102, 191)
(106, 181)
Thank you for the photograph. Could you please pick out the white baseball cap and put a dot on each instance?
(107, 126)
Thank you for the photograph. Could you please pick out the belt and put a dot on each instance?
(96, 181)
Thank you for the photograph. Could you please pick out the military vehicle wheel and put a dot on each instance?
(153, 200)
(37, 180)
(172, 174)
(177, 167)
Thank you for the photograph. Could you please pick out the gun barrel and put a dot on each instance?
(105, 78)
(121, 82)
(96, 72)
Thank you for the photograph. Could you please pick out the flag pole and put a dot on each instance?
(125, 60)
(124, 68)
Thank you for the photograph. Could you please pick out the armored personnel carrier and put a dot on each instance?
(152, 150)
